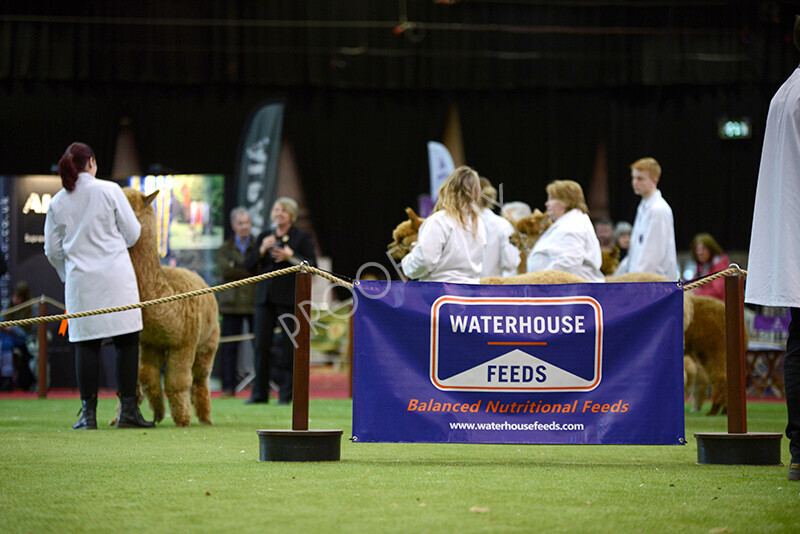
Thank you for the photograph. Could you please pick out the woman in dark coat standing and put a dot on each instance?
(280, 247)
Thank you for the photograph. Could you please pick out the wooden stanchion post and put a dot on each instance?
(737, 446)
(42, 374)
(734, 333)
(300, 444)
(302, 351)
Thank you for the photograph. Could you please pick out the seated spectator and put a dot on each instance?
(11, 340)
(500, 257)
(710, 259)
(570, 243)
(604, 229)
(17, 340)
(451, 240)
(622, 237)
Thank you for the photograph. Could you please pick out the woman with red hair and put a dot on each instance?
(710, 259)
(87, 232)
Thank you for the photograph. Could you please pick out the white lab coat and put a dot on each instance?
(569, 245)
(773, 266)
(446, 252)
(652, 247)
(499, 255)
(87, 233)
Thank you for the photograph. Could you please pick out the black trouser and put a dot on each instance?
(279, 365)
(232, 326)
(87, 365)
(791, 381)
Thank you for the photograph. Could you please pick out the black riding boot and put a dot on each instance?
(130, 416)
(88, 419)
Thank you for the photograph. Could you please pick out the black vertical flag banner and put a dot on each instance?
(257, 165)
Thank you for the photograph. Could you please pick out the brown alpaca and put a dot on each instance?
(404, 235)
(703, 343)
(534, 278)
(695, 381)
(610, 260)
(183, 334)
(528, 231)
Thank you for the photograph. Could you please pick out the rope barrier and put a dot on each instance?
(180, 296)
(30, 303)
(733, 269)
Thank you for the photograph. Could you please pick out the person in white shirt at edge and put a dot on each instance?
(570, 244)
(87, 231)
(652, 248)
(451, 240)
(500, 257)
(773, 277)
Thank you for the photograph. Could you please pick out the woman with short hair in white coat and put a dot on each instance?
(570, 244)
(450, 244)
(88, 229)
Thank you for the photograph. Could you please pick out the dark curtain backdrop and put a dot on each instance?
(362, 154)
(539, 86)
(362, 158)
(405, 44)
(526, 139)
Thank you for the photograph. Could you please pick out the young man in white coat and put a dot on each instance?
(652, 248)
(773, 277)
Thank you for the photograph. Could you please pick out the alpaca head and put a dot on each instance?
(404, 235)
(144, 212)
(530, 229)
(610, 261)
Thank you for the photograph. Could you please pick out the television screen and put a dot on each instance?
(190, 218)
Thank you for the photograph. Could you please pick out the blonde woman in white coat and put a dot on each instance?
(88, 229)
(450, 244)
(570, 244)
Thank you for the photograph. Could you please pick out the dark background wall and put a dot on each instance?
(539, 86)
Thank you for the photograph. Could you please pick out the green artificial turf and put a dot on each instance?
(209, 479)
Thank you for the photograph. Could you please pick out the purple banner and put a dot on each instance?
(572, 364)
(779, 323)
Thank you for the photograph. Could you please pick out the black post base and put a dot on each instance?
(299, 445)
(751, 448)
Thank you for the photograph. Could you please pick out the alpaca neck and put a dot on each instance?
(150, 275)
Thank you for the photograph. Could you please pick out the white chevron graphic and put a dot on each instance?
(486, 376)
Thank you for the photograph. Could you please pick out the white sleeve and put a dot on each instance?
(54, 245)
(623, 266)
(427, 253)
(127, 223)
(509, 257)
(568, 255)
(509, 254)
(414, 264)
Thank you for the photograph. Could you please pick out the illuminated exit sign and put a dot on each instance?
(734, 128)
